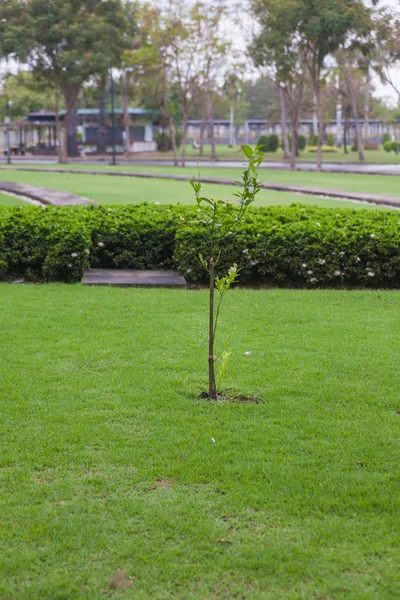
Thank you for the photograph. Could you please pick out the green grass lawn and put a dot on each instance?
(235, 153)
(123, 190)
(374, 184)
(107, 460)
(7, 200)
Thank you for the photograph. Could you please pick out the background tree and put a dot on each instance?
(65, 43)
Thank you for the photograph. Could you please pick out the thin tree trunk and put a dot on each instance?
(102, 123)
(357, 126)
(184, 137)
(282, 107)
(70, 97)
(211, 358)
(211, 123)
(172, 133)
(58, 140)
(320, 113)
(293, 152)
(124, 99)
(202, 132)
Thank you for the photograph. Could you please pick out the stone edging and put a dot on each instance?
(43, 195)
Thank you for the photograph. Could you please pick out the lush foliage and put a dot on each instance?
(301, 142)
(262, 143)
(338, 246)
(164, 141)
(330, 140)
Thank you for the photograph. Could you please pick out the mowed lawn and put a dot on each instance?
(6, 200)
(107, 458)
(373, 184)
(107, 189)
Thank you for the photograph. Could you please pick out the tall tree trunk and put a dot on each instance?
(126, 119)
(210, 120)
(320, 113)
(202, 132)
(282, 107)
(345, 128)
(172, 133)
(59, 142)
(70, 97)
(357, 126)
(102, 122)
(184, 136)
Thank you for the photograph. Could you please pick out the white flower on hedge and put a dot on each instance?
(70, 266)
(358, 259)
(313, 280)
(318, 224)
(310, 272)
(342, 254)
(74, 255)
(100, 244)
(337, 273)
(245, 251)
(321, 261)
(87, 250)
(372, 235)
(371, 274)
(304, 265)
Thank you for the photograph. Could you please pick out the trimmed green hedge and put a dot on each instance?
(294, 245)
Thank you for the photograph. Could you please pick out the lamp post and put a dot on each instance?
(113, 162)
(7, 122)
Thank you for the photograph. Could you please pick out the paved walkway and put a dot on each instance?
(43, 195)
(379, 199)
(134, 278)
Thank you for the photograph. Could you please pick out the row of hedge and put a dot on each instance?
(288, 245)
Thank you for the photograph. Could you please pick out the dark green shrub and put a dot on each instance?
(395, 146)
(385, 138)
(262, 142)
(301, 142)
(313, 140)
(387, 146)
(287, 245)
(273, 143)
(330, 140)
(164, 143)
(307, 245)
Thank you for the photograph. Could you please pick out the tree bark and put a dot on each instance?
(172, 133)
(102, 122)
(184, 136)
(293, 153)
(202, 132)
(357, 126)
(282, 107)
(126, 119)
(320, 113)
(210, 120)
(70, 97)
(211, 358)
